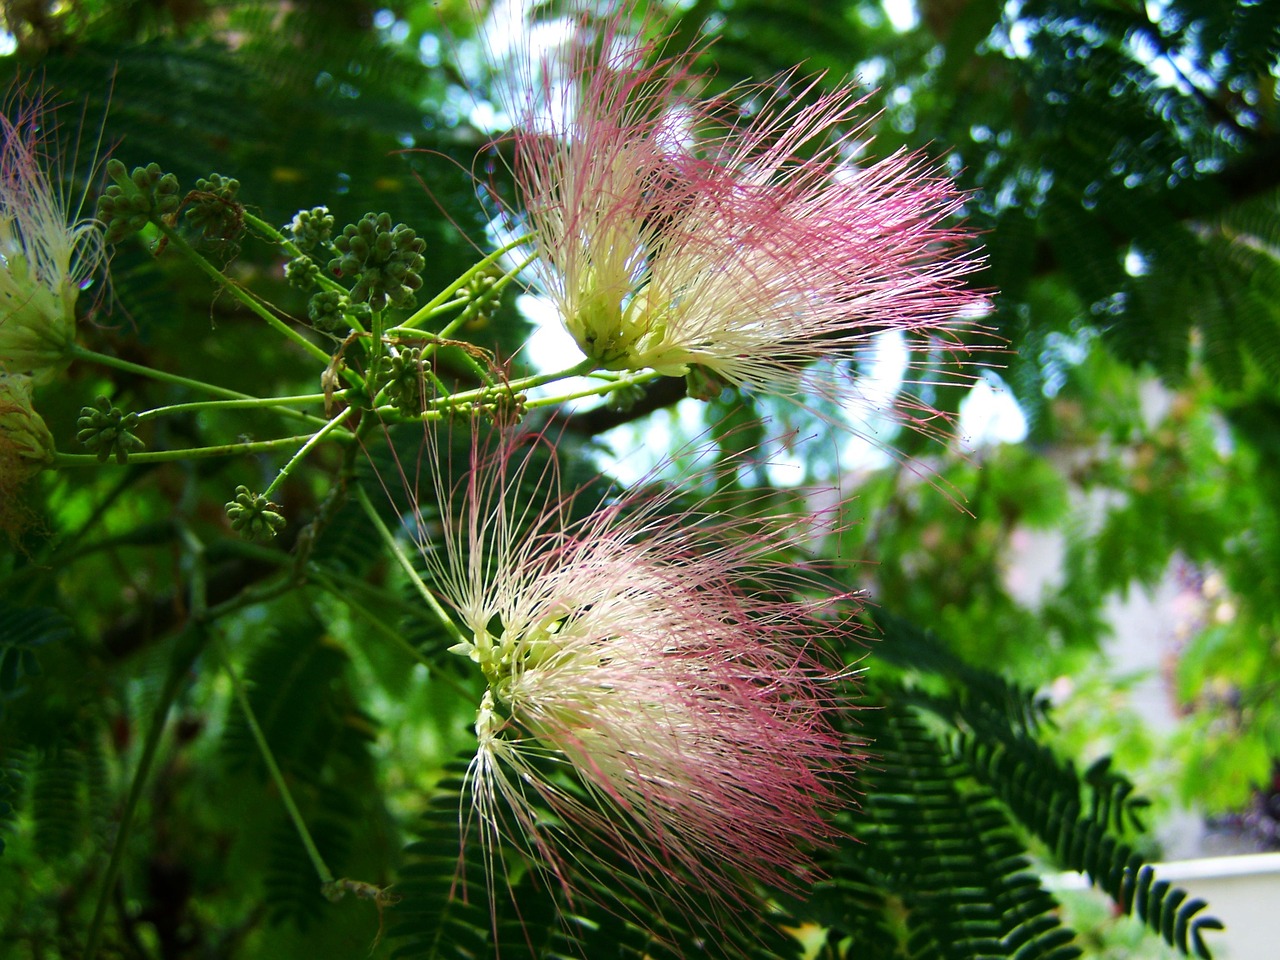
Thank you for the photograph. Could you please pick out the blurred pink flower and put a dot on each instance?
(662, 657)
(739, 235)
(46, 255)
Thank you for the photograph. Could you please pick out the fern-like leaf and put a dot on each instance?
(22, 633)
(1044, 793)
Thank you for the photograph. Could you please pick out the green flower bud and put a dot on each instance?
(108, 431)
(625, 398)
(128, 204)
(329, 312)
(404, 381)
(484, 299)
(386, 261)
(214, 210)
(701, 383)
(253, 516)
(301, 272)
(311, 227)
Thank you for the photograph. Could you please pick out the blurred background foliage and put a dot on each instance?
(1122, 161)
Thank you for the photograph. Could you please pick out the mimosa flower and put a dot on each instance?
(627, 647)
(671, 238)
(46, 256)
(26, 448)
(24, 438)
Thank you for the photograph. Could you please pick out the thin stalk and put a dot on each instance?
(187, 647)
(252, 596)
(513, 386)
(599, 390)
(83, 353)
(435, 312)
(275, 236)
(286, 796)
(106, 360)
(248, 403)
(62, 460)
(177, 240)
(423, 313)
(342, 592)
(183, 657)
(450, 627)
(379, 350)
(306, 448)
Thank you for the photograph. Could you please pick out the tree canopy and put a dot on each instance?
(222, 693)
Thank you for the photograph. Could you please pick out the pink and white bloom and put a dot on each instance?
(47, 256)
(626, 649)
(738, 235)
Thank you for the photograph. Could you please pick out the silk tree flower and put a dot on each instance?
(671, 238)
(26, 448)
(47, 256)
(627, 648)
(26, 445)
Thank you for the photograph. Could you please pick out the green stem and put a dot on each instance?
(425, 312)
(197, 385)
(450, 627)
(342, 592)
(62, 460)
(83, 353)
(252, 303)
(275, 236)
(378, 350)
(435, 312)
(277, 776)
(599, 390)
(187, 647)
(306, 448)
(252, 596)
(524, 383)
(248, 403)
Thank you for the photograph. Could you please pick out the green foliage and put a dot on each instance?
(1123, 171)
(449, 910)
(22, 633)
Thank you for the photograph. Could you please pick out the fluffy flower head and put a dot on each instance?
(45, 257)
(735, 234)
(622, 646)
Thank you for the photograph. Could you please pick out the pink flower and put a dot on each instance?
(45, 257)
(737, 235)
(627, 648)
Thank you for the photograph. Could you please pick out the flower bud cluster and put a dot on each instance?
(483, 295)
(108, 431)
(404, 381)
(386, 261)
(302, 272)
(328, 311)
(133, 200)
(253, 516)
(310, 228)
(214, 210)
